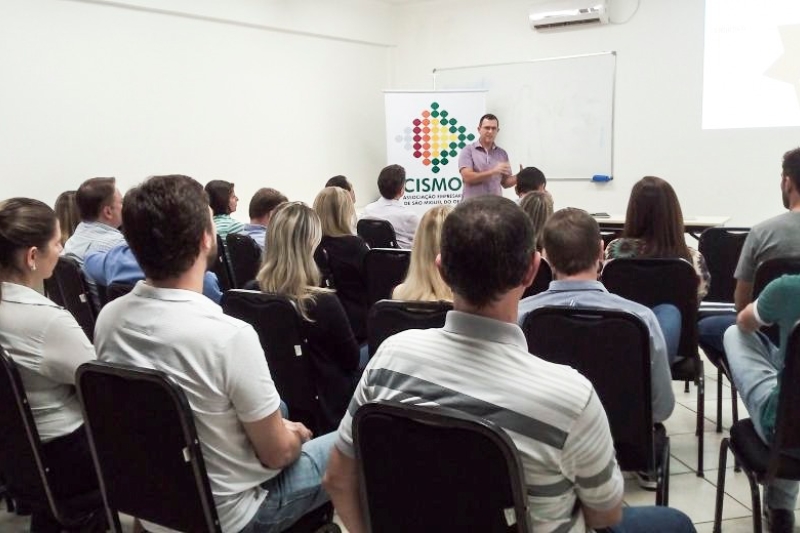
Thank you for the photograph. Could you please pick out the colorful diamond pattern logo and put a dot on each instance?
(435, 137)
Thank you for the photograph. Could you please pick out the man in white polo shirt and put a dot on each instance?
(392, 186)
(264, 470)
(479, 363)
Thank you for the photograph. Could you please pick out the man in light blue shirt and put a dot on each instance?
(263, 203)
(574, 249)
(100, 206)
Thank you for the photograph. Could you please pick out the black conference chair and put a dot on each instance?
(604, 345)
(473, 478)
(542, 280)
(377, 233)
(282, 334)
(760, 462)
(721, 247)
(221, 266)
(116, 290)
(388, 317)
(68, 288)
(674, 281)
(129, 412)
(25, 467)
(385, 268)
(245, 258)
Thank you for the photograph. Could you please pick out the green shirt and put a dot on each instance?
(225, 224)
(779, 304)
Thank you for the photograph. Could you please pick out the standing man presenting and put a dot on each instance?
(483, 165)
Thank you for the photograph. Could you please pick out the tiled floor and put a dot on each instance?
(689, 493)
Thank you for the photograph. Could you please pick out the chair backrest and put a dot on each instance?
(324, 265)
(656, 281)
(115, 290)
(145, 447)
(21, 460)
(612, 350)
(377, 233)
(385, 268)
(436, 469)
(388, 317)
(721, 248)
(768, 271)
(542, 280)
(74, 293)
(245, 258)
(787, 426)
(281, 331)
(221, 266)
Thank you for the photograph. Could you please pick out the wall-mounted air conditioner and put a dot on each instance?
(568, 13)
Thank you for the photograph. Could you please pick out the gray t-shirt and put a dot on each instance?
(776, 237)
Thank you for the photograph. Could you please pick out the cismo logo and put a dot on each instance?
(415, 185)
(435, 137)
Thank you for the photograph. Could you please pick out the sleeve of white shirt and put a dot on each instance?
(589, 459)
(248, 382)
(65, 348)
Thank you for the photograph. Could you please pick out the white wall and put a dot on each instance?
(261, 93)
(657, 106)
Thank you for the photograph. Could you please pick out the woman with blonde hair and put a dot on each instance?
(340, 255)
(69, 217)
(538, 205)
(423, 281)
(288, 269)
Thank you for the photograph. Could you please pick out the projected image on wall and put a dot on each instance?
(751, 74)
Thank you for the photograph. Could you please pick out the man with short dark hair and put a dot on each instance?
(264, 470)
(100, 206)
(574, 249)
(392, 184)
(262, 205)
(479, 363)
(530, 179)
(341, 182)
(483, 165)
(774, 237)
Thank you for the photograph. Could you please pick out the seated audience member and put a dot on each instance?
(262, 205)
(264, 471)
(654, 229)
(756, 367)
(100, 206)
(223, 201)
(392, 185)
(289, 269)
(119, 265)
(538, 205)
(574, 483)
(772, 238)
(574, 249)
(66, 209)
(341, 182)
(345, 253)
(48, 345)
(529, 179)
(423, 281)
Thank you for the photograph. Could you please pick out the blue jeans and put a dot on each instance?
(709, 335)
(652, 519)
(754, 364)
(296, 491)
(669, 318)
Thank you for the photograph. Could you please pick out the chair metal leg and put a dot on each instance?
(755, 495)
(686, 386)
(701, 412)
(735, 415)
(662, 491)
(719, 400)
(723, 460)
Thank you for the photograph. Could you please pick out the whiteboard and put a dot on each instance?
(556, 114)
